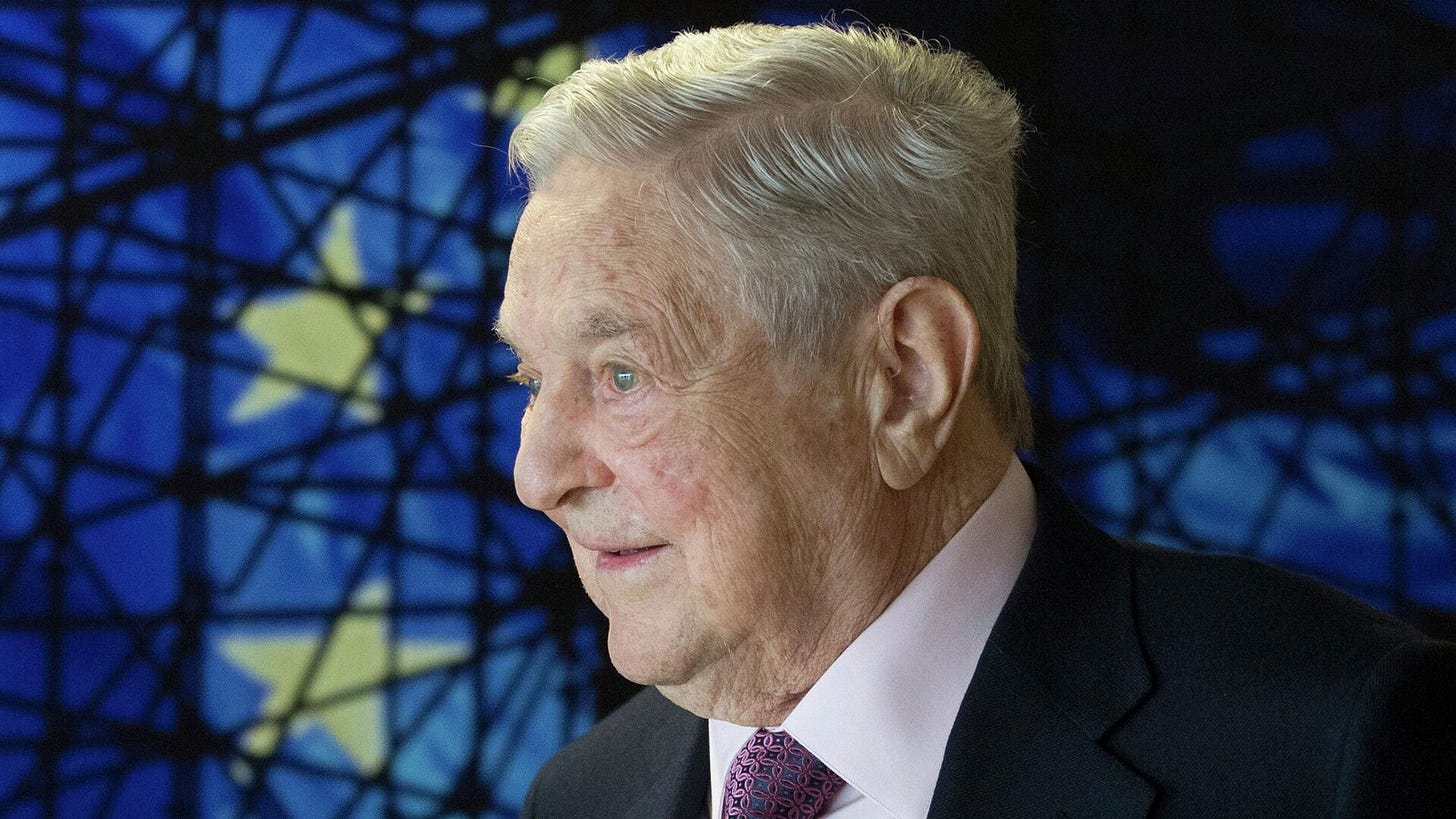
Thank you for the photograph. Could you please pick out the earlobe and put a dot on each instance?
(925, 360)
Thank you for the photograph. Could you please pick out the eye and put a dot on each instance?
(623, 379)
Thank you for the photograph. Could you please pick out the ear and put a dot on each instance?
(925, 358)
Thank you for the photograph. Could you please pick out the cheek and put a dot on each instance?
(660, 462)
(636, 425)
(667, 482)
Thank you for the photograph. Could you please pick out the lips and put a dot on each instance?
(614, 557)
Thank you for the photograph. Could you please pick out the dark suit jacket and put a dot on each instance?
(1126, 681)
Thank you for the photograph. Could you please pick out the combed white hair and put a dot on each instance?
(822, 164)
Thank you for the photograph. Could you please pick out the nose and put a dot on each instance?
(557, 459)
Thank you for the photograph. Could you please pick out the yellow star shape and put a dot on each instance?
(344, 695)
(317, 336)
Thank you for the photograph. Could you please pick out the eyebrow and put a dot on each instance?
(604, 326)
(595, 327)
(500, 334)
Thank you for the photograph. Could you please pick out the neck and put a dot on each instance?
(898, 536)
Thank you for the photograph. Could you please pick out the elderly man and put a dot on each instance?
(762, 296)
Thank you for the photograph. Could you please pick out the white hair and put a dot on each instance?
(825, 163)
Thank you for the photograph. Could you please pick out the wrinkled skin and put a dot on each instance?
(660, 418)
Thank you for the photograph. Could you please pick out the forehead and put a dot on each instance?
(595, 255)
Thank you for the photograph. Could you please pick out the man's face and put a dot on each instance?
(702, 482)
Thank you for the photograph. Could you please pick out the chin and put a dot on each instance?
(648, 656)
(677, 675)
(641, 658)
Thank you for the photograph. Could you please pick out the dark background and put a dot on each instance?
(259, 552)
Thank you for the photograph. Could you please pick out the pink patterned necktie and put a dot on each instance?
(774, 777)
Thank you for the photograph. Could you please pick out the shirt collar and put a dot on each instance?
(881, 714)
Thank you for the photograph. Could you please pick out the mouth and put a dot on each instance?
(618, 559)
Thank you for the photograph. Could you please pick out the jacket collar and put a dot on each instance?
(1063, 665)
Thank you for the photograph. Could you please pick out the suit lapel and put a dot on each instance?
(1063, 665)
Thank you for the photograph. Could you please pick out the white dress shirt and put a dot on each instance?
(881, 714)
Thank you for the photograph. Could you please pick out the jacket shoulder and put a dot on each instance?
(1282, 684)
(1228, 603)
(647, 739)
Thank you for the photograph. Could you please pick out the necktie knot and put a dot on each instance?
(774, 777)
